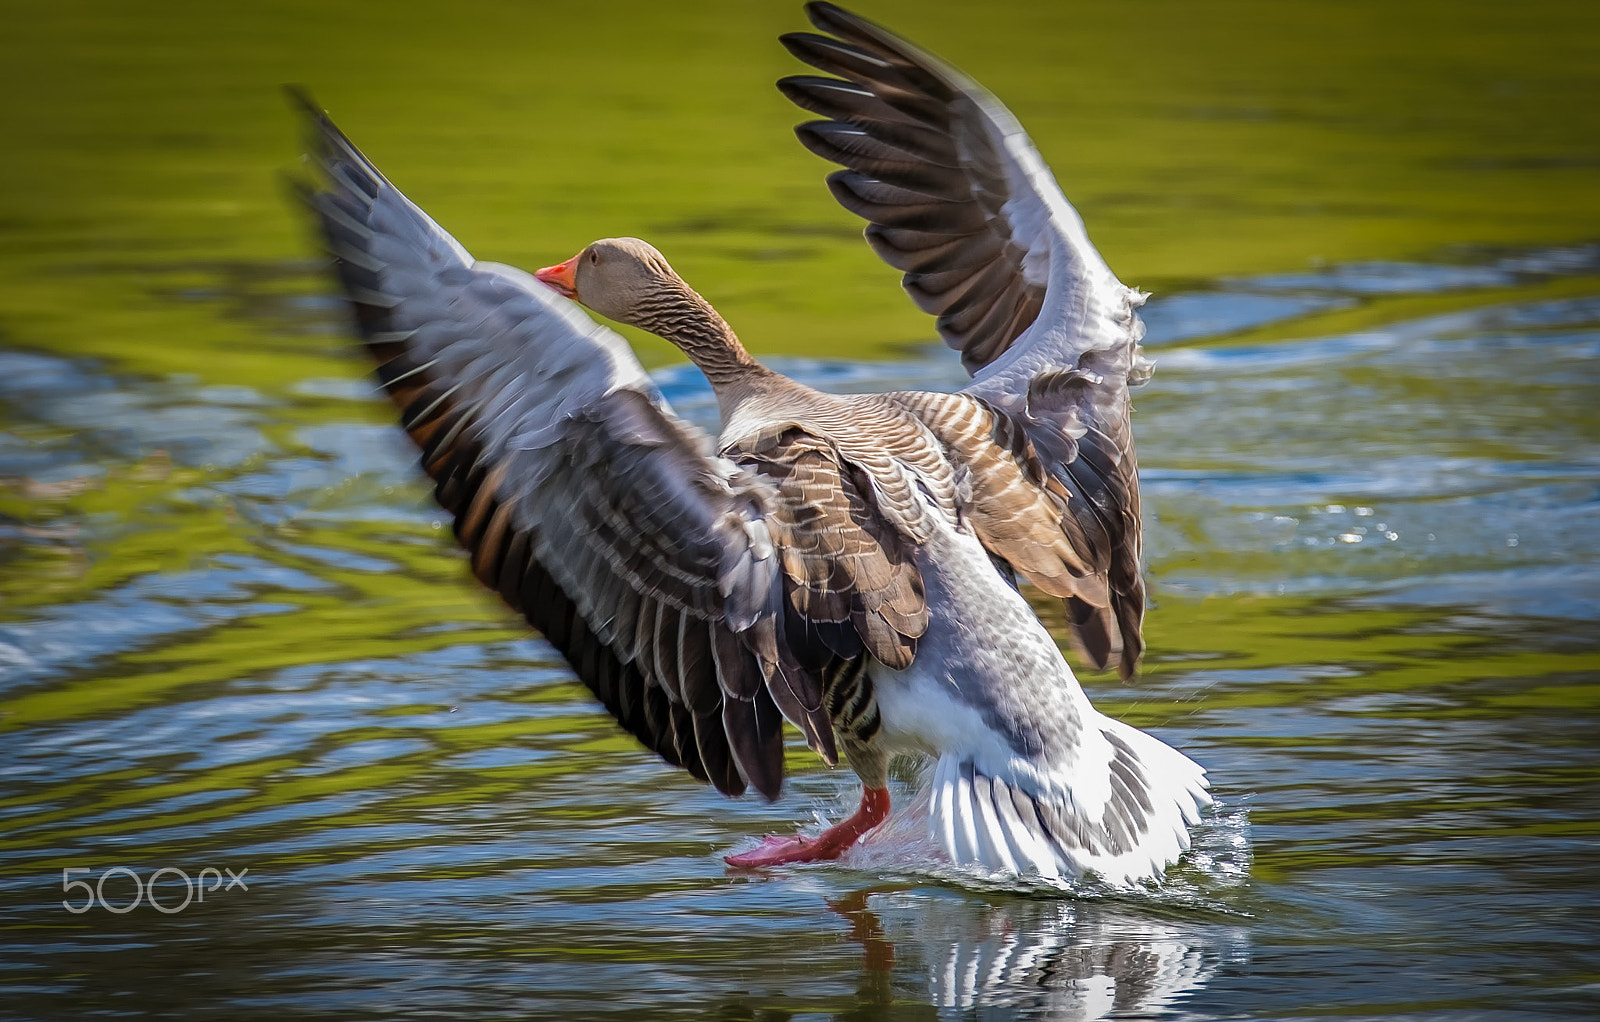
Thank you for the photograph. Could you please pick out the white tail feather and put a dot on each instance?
(1123, 811)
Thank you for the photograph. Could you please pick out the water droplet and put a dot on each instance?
(1511, 540)
(1431, 537)
(1364, 512)
(1349, 537)
(1391, 536)
(1334, 509)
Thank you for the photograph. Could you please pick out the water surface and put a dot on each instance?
(234, 634)
(1374, 627)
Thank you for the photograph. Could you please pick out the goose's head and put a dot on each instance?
(620, 278)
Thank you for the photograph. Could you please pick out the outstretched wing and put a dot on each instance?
(957, 196)
(582, 499)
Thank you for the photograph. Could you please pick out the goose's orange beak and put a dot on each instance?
(562, 276)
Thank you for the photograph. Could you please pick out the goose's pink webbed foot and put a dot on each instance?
(830, 844)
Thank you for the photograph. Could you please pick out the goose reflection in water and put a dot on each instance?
(1033, 959)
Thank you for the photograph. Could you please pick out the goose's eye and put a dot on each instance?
(594, 257)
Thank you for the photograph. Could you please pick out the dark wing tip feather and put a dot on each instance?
(1091, 632)
(332, 148)
(860, 31)
(299, 191)
(300, 98)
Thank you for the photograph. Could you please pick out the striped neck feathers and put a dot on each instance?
(675, 312)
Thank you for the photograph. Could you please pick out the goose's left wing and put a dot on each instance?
(590, 507)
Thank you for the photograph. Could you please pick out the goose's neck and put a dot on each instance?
(681, 316)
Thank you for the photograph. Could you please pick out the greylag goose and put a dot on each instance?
(845, 563)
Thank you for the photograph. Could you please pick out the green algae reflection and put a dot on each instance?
(1199, 140)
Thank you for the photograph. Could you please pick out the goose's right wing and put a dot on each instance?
(583, 500)
(956, 195)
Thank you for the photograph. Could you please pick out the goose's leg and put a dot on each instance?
(872, 766)
(830, 844)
